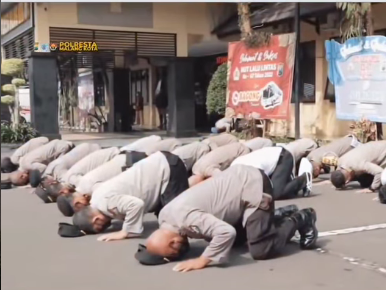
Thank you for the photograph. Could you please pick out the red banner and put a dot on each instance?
(260, 79)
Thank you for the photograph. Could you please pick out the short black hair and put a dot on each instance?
(83, 220)
(382, 194)
(7, 166)
(64, 204)
(35, 178)
(338, 179)
(54, 189)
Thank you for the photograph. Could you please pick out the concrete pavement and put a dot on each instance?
(35, 257)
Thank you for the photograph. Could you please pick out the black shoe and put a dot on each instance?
(305, 220)
(285, 211)
(382, 194)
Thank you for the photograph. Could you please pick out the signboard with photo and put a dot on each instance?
(260, 79)
(357, 69)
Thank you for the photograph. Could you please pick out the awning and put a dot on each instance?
(208, 48)
(276, 13)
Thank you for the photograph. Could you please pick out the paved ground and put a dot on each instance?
(35, 257)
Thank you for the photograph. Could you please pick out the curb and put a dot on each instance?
(11, 145)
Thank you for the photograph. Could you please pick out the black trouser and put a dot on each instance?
(283, 185)
(133, 157)
(365, 180)
(264, 237)
(178, 180)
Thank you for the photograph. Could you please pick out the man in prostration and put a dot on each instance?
(238, 198)
(38, 160)
(277, 163)
(146, 187)
(365, 164)
(335, 149)
(10, 164)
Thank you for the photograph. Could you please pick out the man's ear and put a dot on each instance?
(87, 197)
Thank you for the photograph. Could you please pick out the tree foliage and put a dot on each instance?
(8, 89)
(17, 82)
(7, 100)
(354, 23)
(13, 67)
(250, 37)
(216, 95)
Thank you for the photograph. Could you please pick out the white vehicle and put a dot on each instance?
(25, 105)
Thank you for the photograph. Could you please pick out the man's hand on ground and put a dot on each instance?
(193, 264)
(366, 190)
(121, 235)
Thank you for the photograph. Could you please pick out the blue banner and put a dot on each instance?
(357, 69)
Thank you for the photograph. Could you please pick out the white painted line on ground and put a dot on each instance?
(352, 230)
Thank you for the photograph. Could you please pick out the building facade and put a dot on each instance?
(319, 22)
(137, 37)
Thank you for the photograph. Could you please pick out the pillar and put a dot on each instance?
(44, 99)
(181, 107)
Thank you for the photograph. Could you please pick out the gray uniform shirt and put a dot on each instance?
(94, 178)
(220, 140)
(369, 158)
(190, 153)
(210, 209)
(42, 156)
(134, 192)
(27, 148)
(164, 145)
(59, 167)
(336, 148)
(89, 163)
(219, 159)
(141, 145)
(300, 147)
(258, 143)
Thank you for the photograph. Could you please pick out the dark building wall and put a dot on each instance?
(204, 68)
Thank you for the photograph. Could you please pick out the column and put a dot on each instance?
(181, 108)
(43, 85)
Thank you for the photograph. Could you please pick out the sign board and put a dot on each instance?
(260, 79)
(357, 69)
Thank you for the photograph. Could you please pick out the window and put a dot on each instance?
(307, 67)
(17, 15)
(329, 93)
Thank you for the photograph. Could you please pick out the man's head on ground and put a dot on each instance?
(341, 177)
(91, 220)
(7, 166)
(70, 204)
(316, 168)
(166, 243)
(19, 178)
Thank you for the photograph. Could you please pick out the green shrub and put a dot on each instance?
(18, 82)
(8, 89)
(12, 67)
(8, 100)
(23, 133)
(216, 95)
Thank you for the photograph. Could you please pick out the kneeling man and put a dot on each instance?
(277, 163)
(38, 159)
(216, 161)
(212, 210)
(146, 187)
(365, 164)
(10, 164)
(335, 149)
